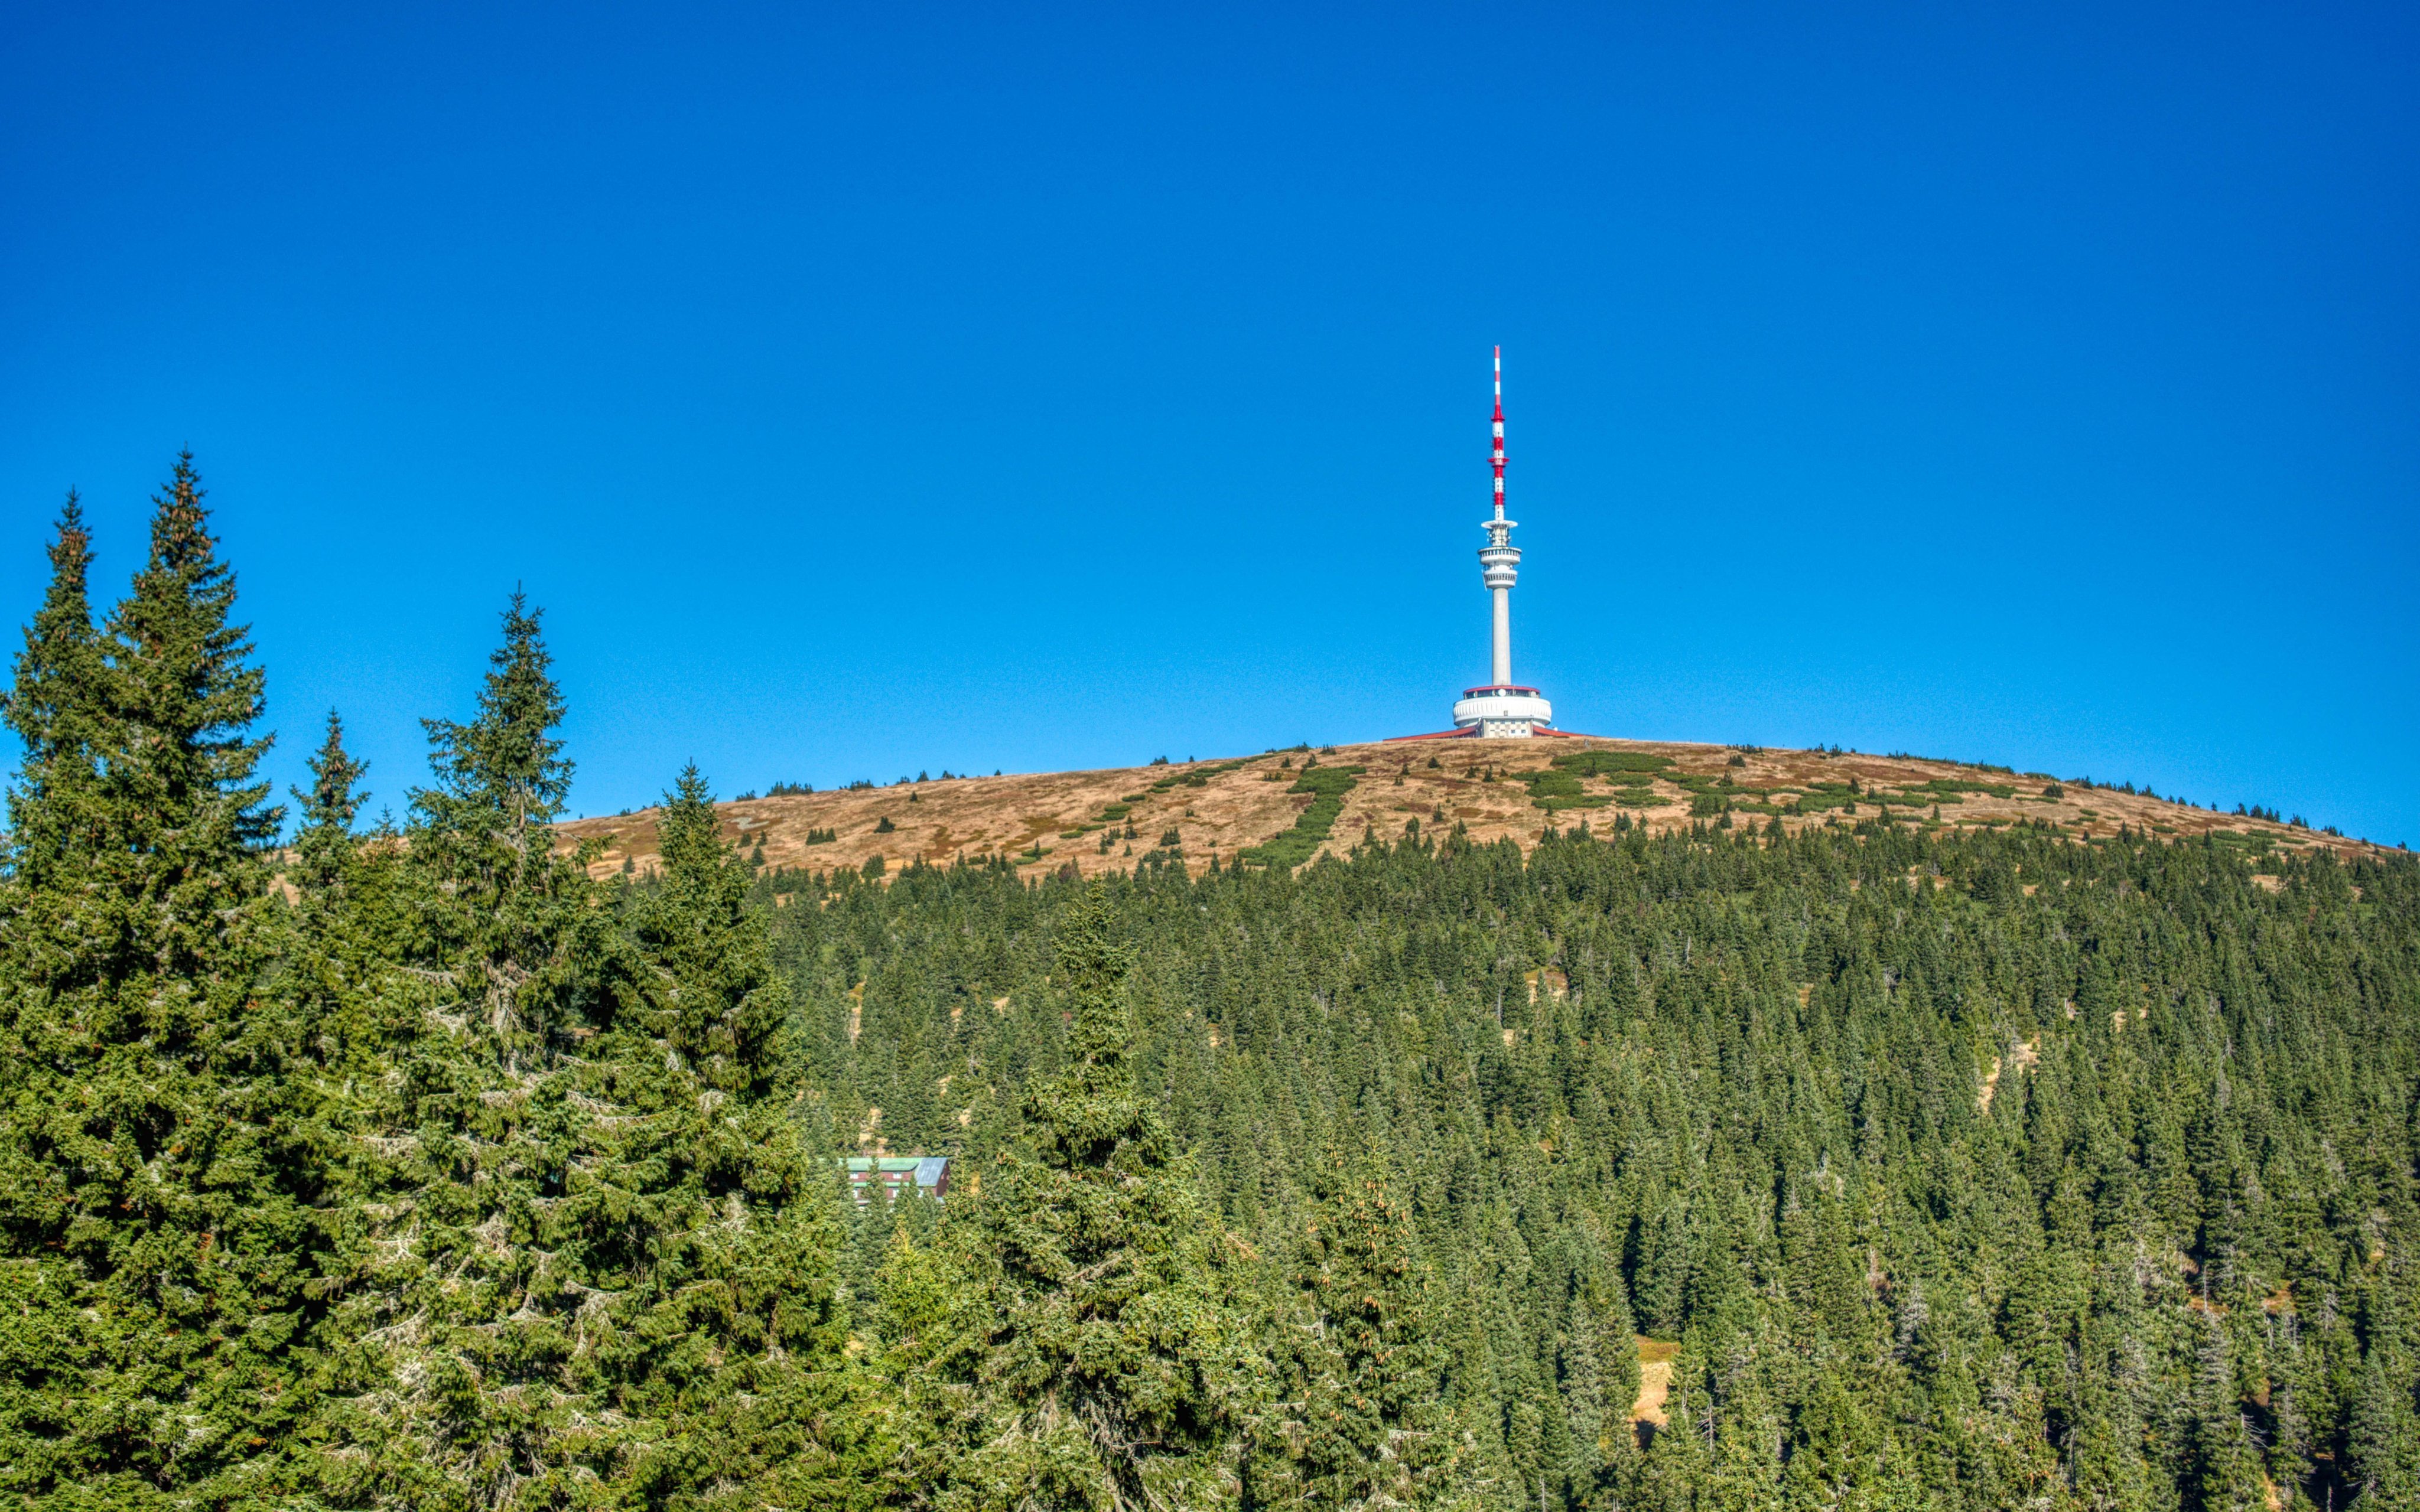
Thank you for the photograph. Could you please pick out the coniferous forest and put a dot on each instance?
(399, 1163)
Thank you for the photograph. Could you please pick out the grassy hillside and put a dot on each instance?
(1496, 790)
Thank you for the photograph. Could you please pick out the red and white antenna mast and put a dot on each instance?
(1498, 458)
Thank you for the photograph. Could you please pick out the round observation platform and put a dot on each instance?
(1503, 711)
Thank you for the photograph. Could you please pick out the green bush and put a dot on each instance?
(1960, 784)
(1327, 786)
(1606, 762)
(1559, 787)
(1199, 777)
(1554, 791)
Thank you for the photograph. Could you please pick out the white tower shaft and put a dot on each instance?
(1502, 672)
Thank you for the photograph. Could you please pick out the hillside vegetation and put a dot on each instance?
(1688, 1139)
(1105, 821)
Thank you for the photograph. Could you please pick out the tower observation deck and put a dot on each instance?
(1502, 709)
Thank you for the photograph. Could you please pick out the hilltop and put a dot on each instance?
(1109, 819)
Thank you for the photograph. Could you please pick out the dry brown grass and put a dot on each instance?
(1655, 1357)
(980, 816)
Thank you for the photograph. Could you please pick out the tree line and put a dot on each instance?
(402, 1164)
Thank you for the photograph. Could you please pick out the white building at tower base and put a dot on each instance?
(1507, 712)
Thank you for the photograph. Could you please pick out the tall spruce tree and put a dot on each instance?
(458, 1384)
(710, 992)
(1359, 1421)
(160, 1200)
(1108, 1352)
(54, 706)
(702, 1214)
(325, 846)
(598, 1261)
(2383, 1435)
(480, 833)
(2225, 1463)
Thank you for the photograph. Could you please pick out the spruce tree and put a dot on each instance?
(325, 845)
(1359, 1378)
(185, 808)
(2226, 1464)
(353, 970)
(54, 706)
(599, 1261)
(1108, 1352)
(704, 1211)
(500, 779)
(2383, 1435)
(160, 1195)
(710, 992)
(463, 1318)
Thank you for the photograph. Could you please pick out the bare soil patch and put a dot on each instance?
(1655, 1357)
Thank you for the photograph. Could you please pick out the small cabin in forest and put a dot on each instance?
(895, 1174)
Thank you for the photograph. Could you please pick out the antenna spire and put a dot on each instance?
(1498, 456)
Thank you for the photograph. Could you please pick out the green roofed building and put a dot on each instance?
(929, 1173)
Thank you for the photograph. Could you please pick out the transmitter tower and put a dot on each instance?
(1503, 708)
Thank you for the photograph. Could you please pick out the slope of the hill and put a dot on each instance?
(2081, 1178)
(1105, 820)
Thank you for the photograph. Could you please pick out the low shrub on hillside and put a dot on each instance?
(1554, 791)
(1609, 763)
(1327, 786)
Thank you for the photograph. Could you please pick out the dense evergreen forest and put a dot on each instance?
(351, 1165)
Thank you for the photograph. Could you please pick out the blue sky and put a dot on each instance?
(875, 389)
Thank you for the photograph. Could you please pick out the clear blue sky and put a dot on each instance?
(872, 389)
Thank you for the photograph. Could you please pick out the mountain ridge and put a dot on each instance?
(1198, 811)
